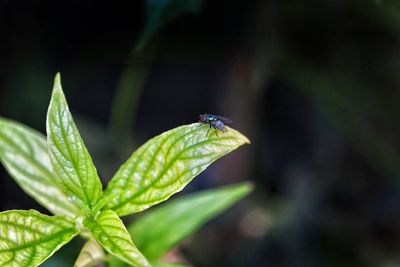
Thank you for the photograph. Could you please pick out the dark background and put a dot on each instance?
(314, 84)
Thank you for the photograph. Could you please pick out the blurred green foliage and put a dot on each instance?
(314, 83)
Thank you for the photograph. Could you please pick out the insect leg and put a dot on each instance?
(215, 130)
(208, 130)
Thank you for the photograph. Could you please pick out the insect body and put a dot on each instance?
(215, 121)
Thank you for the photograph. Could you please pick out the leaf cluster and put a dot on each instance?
(59, 173)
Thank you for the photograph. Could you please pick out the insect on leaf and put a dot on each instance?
(165, 165)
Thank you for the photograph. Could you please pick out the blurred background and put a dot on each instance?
(314, 84)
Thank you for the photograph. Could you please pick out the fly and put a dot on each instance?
(215, 121)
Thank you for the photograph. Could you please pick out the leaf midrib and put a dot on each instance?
(64, 135)
(140, 156)
(110, 238)
(58, 235)
(145, 188)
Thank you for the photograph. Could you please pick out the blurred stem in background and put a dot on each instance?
(133, 77)
(130, 86)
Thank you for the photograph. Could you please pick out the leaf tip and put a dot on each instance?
(58, 76)
(246, 140)
(242, 189)
(248, 187)
(239, 135)
(57, 89)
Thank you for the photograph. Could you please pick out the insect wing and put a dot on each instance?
(219, 125)
(224, 120)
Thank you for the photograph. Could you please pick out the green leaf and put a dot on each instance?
(27, 238)
(108, 229)
(23, 152)
(68, 155)
(161, 228)
(165, 164)
(91, 254)
(160, 12)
